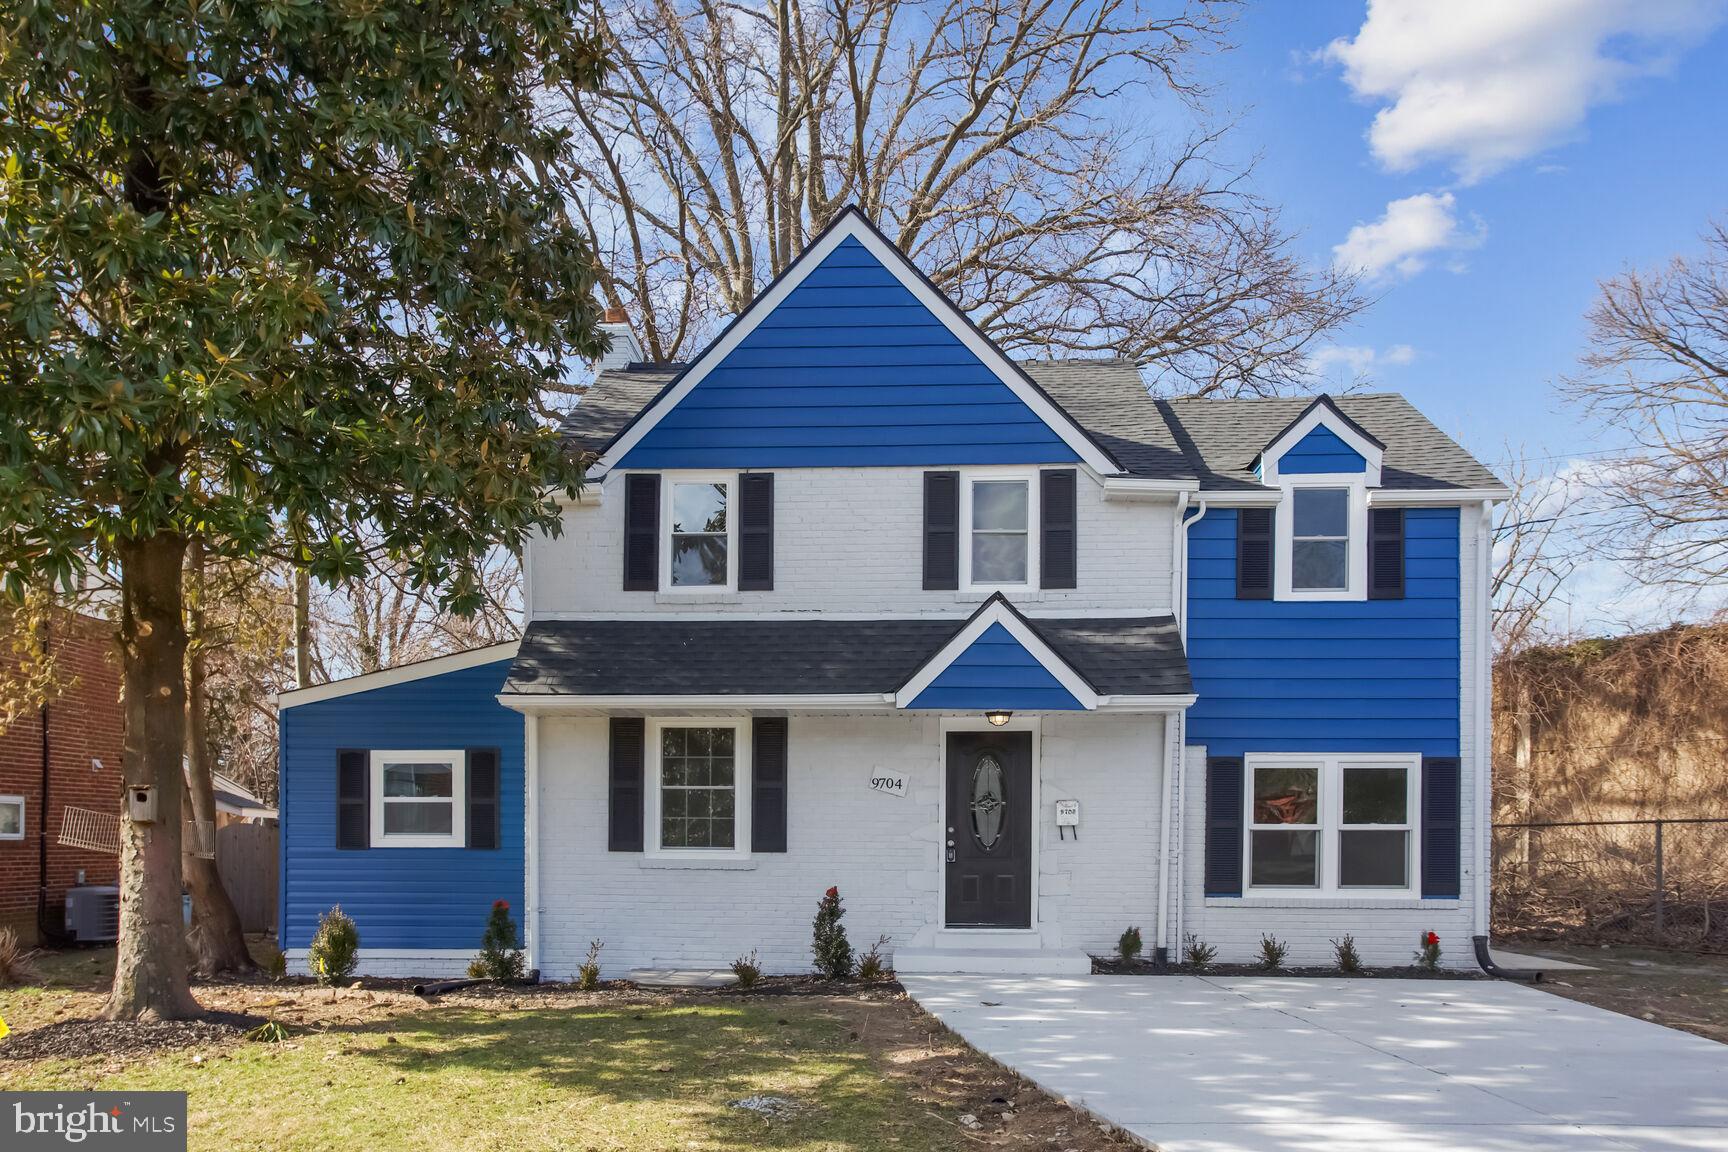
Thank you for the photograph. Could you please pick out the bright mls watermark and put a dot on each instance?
(100, 1121)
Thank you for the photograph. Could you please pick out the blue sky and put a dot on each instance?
(1497, 160)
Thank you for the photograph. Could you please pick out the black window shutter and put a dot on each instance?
(941, 530)
(1386, 554)
(756, 532)
(768, 784)
(353, 799)
(624, 832)
(1225, 782)
(641, 532)
(1254, 553)
(1056, 503)
(483, 787)
(1442, 825)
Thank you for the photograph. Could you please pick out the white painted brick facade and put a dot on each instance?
(884, 852)
(851, 540)
(1386, 932)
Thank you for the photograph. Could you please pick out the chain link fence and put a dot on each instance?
(1655, 882)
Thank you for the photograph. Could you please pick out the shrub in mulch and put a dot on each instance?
(71, 1039)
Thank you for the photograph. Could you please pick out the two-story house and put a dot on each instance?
(1012, 653)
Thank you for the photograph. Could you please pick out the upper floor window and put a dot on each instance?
(699, 536)
(1320, 540)
(999, 514)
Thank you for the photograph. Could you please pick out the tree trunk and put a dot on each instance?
(218, 940)
(150, 972)
(302, 628)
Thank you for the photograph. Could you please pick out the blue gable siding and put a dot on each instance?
(398, 897)
(996, 671)
(849, 370)
(1322, 450)
(1333, 676)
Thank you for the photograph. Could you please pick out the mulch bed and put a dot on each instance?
(71, 1039)
(1104, 967)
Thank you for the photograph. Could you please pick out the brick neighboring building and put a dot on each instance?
(83, 750)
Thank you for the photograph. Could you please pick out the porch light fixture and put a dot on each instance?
(998, 717)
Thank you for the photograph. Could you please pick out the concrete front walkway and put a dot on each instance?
(1271, 1064)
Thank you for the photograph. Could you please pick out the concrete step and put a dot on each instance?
(1006, 939)
(993, 961)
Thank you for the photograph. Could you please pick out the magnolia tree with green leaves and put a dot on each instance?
(277, 277)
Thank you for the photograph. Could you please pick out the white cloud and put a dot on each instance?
(1359, 359)
(1481, 84)
(1403, 240)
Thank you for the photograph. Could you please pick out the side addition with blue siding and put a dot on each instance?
(400, 898)
(1322, 450)
(996, 671)
(1326, 676)
(850, 369)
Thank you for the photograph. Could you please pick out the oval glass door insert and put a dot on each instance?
(989, 802)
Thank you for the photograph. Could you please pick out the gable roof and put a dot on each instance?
(915, 301)
(997, 660)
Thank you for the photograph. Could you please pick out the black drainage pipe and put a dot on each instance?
(439, 987)
(1486, 960)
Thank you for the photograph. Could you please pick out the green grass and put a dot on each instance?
(627, 1077)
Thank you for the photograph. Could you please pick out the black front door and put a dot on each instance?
(989, 832)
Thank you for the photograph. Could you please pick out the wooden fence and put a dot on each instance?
(246, 861)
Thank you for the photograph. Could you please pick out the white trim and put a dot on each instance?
(1434, 497)
(742, 754)
(1033, 611)
(997, 613)
(1356, 551)
(1330, 822)
(401, 674)
(669, 482)
(531, 838)
(458, 834)
(851, 225)
(708, 703)
(1319, 414)
(23, 821)
(1243, 498)
(1144, 487)
(944, 726)
(998, 474)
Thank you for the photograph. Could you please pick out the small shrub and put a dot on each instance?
(1349, 960)
(1128, 945)
(1272, 952)
(500, 958)
(828, 943)
(275, 963)
(335, 950)
(16, 962)
(748, 970)
(870, 965)
(1197, 954)
(1428, 953)
(588, 976)
(268, 1032)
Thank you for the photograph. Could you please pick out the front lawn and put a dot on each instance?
(375, 1068)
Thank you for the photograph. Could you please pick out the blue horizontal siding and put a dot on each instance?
(996, 671)
(398, 897)
(1331, 676)
(849, 370)
(1322, 450)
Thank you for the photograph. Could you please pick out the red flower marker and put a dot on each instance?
(833, 893)
(497, 904)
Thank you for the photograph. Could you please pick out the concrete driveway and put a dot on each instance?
(1269, 1064)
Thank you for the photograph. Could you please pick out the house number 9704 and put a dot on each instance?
(893, 785)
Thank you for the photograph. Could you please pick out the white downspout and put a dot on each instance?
(530, 835)
(1484, 701)
(1175, 735)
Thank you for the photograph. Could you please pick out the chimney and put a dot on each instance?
(625, 349)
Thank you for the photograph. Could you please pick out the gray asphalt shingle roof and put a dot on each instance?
(1141, 656)
(1214, 441)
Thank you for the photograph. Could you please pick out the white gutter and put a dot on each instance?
(1484, 700)
(1433, 497)
(550, 703)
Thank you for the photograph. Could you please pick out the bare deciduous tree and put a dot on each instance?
(1534, 556)
(1032, 156)
(1657, 371)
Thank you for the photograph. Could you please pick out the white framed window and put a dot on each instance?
(11, 817)
(1342, 824)
(698, 546)
(1322, 545)
(998, 517)
(698, 772)
(419, 799)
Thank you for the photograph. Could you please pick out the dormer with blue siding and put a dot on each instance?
(1006, 651)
